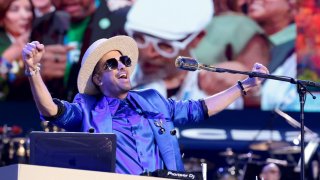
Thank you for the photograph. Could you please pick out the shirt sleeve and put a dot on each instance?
(187, 111)
(68, 117)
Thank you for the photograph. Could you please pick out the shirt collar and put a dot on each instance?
(113, 103)
(287, 34)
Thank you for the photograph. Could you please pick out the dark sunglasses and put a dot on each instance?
(112, 64)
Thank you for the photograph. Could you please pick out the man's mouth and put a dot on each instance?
(122, 76)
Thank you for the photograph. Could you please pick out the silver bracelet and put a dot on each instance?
(34, 72)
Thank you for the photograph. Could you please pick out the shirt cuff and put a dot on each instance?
(61, 110)
(204, 108)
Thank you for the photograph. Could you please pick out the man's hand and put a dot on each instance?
(255, 81)
(32, 54)
(220, 101)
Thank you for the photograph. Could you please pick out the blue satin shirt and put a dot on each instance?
(135, 153)
(137, 122)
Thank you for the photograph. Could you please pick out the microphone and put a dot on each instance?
(187, 63)
(191, 64)
(62, 23)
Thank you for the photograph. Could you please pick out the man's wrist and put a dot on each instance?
(31, 71)
(242, 89)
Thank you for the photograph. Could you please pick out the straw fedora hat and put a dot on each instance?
(125, 44)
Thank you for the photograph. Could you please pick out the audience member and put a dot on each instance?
(270, 172)
(163, 34)
(16, 18)
(233, 40)
(277, 19)
(42, 7)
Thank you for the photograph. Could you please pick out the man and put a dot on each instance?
(42, 7)
(277, 20)
(173, 28)
(142, 120)
(275, 16)
(67, 33)
(270, 172)
(235, 41)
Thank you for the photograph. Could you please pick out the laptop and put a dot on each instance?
(76, 150)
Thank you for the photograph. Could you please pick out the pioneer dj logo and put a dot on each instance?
(180, 175)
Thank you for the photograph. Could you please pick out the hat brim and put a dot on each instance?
(126, 45)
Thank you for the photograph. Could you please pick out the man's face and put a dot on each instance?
(154, 65)
(114, 81)
(157, 56)
(271, 175)
(271, 172)
(264, 10)
(41, 3)
(78, 9)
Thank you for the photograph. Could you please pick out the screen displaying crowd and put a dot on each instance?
(280, 34)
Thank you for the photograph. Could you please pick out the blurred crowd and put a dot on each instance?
(231, 34)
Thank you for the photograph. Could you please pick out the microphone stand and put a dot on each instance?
(301, 89)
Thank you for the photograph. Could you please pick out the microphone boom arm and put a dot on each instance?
(260, 75)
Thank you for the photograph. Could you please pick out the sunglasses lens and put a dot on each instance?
(125, 60)
(112, 64)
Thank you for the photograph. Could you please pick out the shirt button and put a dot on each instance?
(141, 154)
(173, 132)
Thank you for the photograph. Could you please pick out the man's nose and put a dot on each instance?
(120, 65)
